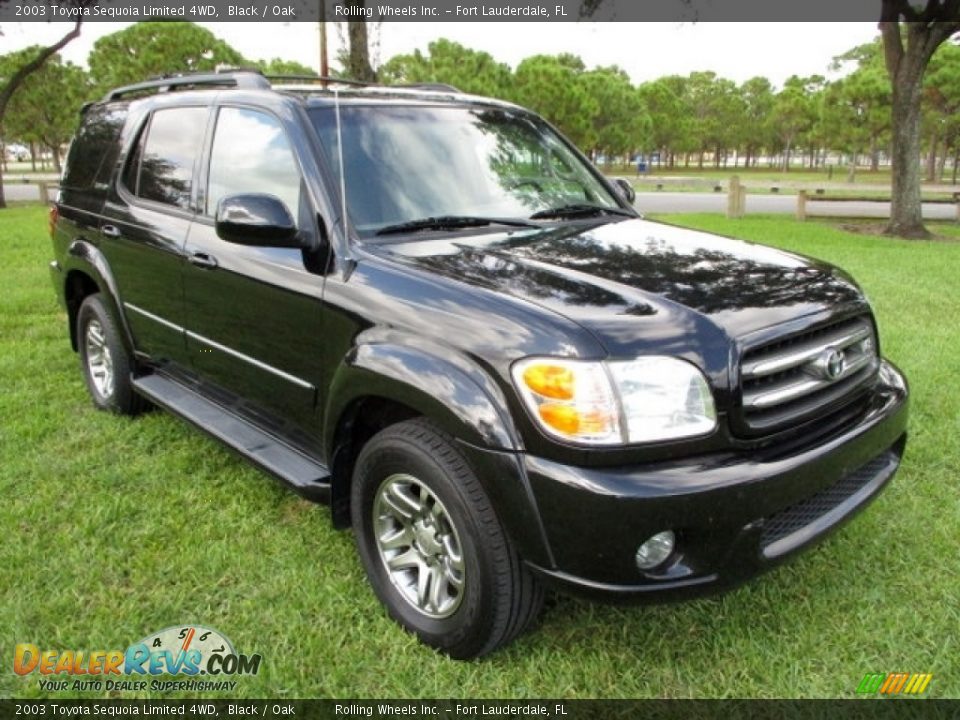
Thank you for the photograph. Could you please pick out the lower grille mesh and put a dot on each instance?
(795, 517)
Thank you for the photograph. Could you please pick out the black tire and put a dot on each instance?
(499, 597)
(99, 339)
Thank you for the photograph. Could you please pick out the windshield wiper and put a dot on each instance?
(579, 210)
(450, 222)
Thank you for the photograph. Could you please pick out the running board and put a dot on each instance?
(304, 475)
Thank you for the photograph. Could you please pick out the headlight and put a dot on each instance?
(616, 402)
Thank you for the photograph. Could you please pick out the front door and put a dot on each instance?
(254, 313)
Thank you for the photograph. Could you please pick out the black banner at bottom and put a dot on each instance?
(480, 709)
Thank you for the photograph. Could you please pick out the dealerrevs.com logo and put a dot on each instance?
(190, 651)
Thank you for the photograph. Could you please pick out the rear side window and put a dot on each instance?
(94, 150)
(161, 166)
(251, 154)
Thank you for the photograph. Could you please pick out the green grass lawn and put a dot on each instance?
(116, 528)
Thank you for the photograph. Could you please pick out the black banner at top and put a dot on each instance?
(441, 10)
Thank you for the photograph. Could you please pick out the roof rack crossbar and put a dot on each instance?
(247, 80)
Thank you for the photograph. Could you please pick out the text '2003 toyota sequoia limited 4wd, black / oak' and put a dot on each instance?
(429, 310)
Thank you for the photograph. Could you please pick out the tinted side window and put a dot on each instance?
(166, 154)
(94, 148)
(251, 154)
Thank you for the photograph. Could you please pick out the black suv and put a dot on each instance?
(429, 310)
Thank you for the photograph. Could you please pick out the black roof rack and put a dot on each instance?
(239, 79)
(322, 79)
(439, 87)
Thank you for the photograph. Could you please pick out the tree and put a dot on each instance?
(278, 66)
(621, 125)
(554, 86)
(670, 120)
(795, 112)
(941, 103)
(857, 107)
(10, 83)
(45, 109)
(908, 47)
(151, 49)
(448, 62)
(714, 103)
(757, 97)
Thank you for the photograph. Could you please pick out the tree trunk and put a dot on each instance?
(932, 155)
(906, 218)
(906, 65)
(16, 80)
(55, 151)
(786, 158)
(941, 162)
(956, 159)
(874, 155)
(358, 59)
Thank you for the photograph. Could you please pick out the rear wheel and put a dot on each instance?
(433, 547)
(104, 360)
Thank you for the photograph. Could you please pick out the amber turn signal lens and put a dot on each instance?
(552, 381)
(570, 420)
(562, 418)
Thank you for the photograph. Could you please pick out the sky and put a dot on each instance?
(737, 51)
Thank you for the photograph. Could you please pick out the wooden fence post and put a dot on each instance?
(44, 192)
(802, 205)
(734, 208)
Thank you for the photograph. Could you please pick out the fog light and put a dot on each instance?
(655, 550)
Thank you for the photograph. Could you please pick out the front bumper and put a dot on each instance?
(734, 515)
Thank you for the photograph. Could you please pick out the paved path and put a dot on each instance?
(21, 192)
(681, 202)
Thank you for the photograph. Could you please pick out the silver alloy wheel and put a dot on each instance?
(99, 360)
(419, 546)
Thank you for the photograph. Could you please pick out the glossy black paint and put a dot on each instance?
(299, 340)
(256, 219)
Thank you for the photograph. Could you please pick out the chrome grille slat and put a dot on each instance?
(840, 339)
(792, 387)
(802, 376)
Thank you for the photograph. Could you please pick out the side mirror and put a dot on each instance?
(626, 190)
(256, 219)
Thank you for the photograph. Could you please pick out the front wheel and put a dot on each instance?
(432, 545)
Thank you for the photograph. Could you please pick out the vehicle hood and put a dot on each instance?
(636, 281)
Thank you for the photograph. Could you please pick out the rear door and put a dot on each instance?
(253, 313)
(146, 220)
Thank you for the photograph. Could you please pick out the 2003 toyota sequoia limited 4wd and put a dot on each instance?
(429, 310)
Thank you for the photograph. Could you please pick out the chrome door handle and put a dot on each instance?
(202, 260)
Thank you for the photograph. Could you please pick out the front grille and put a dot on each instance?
(806, 375)
(796, 517)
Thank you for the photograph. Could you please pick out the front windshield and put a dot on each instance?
(406, 163)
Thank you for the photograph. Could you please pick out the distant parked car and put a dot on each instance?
(17, 153)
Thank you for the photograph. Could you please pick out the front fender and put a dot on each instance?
(461, 399)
